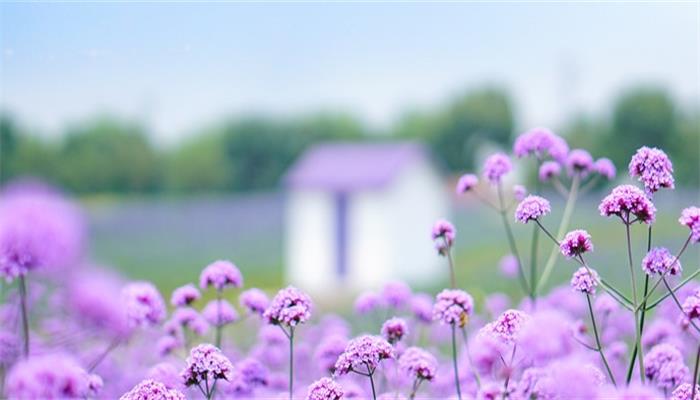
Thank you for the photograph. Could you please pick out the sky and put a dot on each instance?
(176, 67)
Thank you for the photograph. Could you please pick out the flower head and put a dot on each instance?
(367, 302)
(250, 374)
(325, 389)
(579, 162)
(576, 242)
(422, 307)
(466, 183)
(51, 376)
(394, 329)
(453, 306)
(541, 142)
(220, 313)
(185, 295)
(691, 305)
(653, 168)
(445, 231)
(605, 168)
(396, 294)
(496, 166)
(220, 274)
(664, 365)
(143, 304)
(660, 261)
(150, 389)
(685, 391)
(328, 351)
(417, 363)
(189, 318)
(519, 192)
(206, 363)
(690, 217)
(531, 208)
(363, 352)
(254, 300)
(508, 265)
(549, 170)
(585, 280)
(289, 307)
(507, 326)
(625, 200)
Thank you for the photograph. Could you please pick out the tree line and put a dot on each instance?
(109, 155)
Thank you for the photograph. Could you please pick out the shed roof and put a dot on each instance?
(342, 166)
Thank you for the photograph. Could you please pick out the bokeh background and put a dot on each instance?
(174, 123)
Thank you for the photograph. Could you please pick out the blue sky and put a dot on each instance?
(179, 66)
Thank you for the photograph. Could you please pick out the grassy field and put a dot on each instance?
(168, 241)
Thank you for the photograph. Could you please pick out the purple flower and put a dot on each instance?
(220, 274)
(444, 230)
(143, 304)
(220, 313)
(328, 351)
(167, 345)
(9, 348)
(422, 307)
(496, 166)
(417, 363)
(396, 294)
(453, 306)
(367, 302)
(690, 217)
(251, 374)
(549, 170)
(519, 192)
(184, 295)
(605, 168)
(508, 265)
(653, 168)
(685, 391)
(50, 376)
(325, 389)
(96, 303)
(541, 142)
(579, 162)
(149, 389)
(660, 261)
(289, 307)
(189, 318)
(531, 208)
(691, 305)
(394, 329)
(206, 363)
(507, 326)
(585, 280)
(165, 373)
(255, 301)
(575, 243)
(534, 383)
(626, 200)
(363, 354)
(466, 183)
(663, 364)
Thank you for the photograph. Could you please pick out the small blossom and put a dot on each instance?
(206, 363)
(394, 330)
(324, 389)
(189, 318)
(663, 365)
(575, 243)
(367, 302)
(519, 192)
(496, 166)
(444, 230)
(396, 294)
(165, 373)
(691, 305)
(152, 390)
(143, 304)
(417, 363)
(549, 170)
(363, 352)
(660, 261)
(690, 217)
(220, 313)
(220, 274)
(466, 183)
(289, 307)
(51, 376)
(185, 295)
(507, 326)
(167, 345)
(579, 162)
(541, 142)
(605, 168)
(653, 168)
(328, 351)
(453, 306)
(585, 280)
(626, 200)
(508, 265)
(532, 208)
(250, 374)
(685, 391)
(254, 300)
(422, 307)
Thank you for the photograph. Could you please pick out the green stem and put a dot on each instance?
(218, 319)
(512, 244)
(371, 381)
(454, 363)
(675, 289)
(678, 303)
(477, 378)
(597, 340)
(563, 226)
(533, 263)
(450, 261)
(25, 314)
(291, 362)
(695, 374)
(638, 336)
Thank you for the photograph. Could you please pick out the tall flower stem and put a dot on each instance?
(291, 362)
(695, 374)
(370, 375)
(25, 314)
(450, 261)
(658, 282)
(218, 319)
(638, 335)
(678, 303)
(597, 340)
(642, 306)
(112, 345)
(511, 242)
(414, 389)
(454, 363)
(477, 378)
(563, 226)
(534, 246)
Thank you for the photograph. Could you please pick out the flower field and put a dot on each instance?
(596, 297)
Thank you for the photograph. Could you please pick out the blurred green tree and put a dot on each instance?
(23, 154)
(198, 165)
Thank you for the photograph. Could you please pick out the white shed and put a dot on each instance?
(360, 214)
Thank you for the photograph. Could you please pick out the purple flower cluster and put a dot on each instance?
(605, 168)
(394, 329)
(363, 354)
(150, 389)
(660, 261)
(51, 376)
(453, 307)
(367, 302)
(143, 304)
(585, 280)
(445, 231)
(325, 389)
(691, 305)
(532, 208)
(185, 295)
(664, 366)
(575, 243)
(579, 162)
(422, 307)
(417, 363)
(626, 200)
(255, 301)
(189, 318)
(220, 275)
(496, 166)
(541, 142)
(549, 170)
(206, 363)
(220, 313)
(396, 294)
(507, 326)
(290, 307)
(690, 217)
(466, 183)
(685, 392)
(653, 168)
